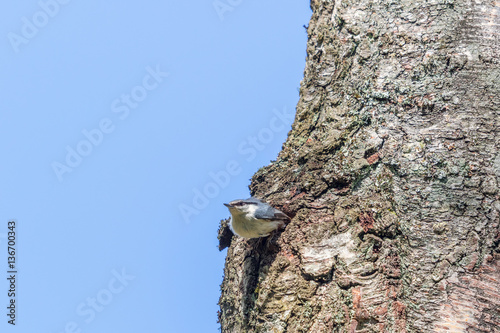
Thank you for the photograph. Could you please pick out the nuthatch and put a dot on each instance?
(252, 218)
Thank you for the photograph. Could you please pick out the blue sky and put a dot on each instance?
(124, 129)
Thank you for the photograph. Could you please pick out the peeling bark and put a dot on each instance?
(391, 175)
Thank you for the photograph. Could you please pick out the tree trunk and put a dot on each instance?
(390, 173)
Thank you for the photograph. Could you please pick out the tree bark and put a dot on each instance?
(390, 173)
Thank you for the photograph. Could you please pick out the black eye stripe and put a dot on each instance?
(244, 203)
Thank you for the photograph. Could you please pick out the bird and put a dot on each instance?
(253, 218)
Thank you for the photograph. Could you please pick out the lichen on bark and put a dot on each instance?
(390, 173)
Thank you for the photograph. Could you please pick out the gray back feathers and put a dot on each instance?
(266, 212)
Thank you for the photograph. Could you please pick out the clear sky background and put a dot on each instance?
(124, 127)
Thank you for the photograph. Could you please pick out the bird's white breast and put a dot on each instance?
(252, 228)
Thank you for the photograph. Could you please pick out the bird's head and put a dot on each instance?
(243, 207)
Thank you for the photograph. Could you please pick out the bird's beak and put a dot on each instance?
(228, 205)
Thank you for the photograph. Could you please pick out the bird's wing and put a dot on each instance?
(281, 216)
(271, 214)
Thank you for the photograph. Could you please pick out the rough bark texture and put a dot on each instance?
(391, 175)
